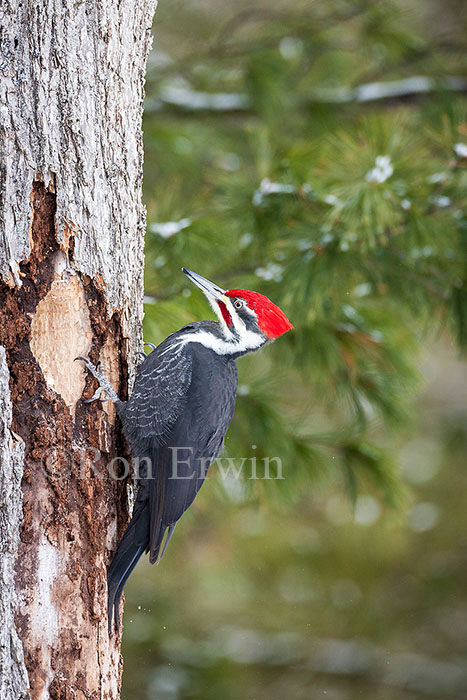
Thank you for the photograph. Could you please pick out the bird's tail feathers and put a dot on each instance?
(132, 545)
(155, 554)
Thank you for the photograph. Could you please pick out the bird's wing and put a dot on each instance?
(159, 394)
(195, 440)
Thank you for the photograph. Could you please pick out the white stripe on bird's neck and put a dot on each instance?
(249, 340)
(236, 339)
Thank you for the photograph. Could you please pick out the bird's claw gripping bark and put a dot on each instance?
(104, 384)
(142, 354)
(97, 395)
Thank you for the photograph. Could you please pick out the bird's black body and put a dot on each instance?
(175, 421)
(177, 416)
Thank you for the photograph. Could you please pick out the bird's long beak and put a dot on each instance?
(210, 290)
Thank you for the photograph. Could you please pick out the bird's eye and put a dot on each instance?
(238, 303)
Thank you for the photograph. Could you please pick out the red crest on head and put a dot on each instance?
(271, 320)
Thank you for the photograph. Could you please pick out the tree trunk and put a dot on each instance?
(71, 283)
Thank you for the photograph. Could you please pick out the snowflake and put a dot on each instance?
(382, 171)
(167, 229)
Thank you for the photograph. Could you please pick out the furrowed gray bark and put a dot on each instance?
(71, 283)
(13, 676)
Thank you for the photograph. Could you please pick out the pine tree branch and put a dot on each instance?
(186, 99)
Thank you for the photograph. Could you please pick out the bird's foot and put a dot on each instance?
(142, 354)
(104, 384)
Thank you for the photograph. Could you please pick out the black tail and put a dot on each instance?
(132, 545)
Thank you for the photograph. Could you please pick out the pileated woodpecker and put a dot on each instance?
(176, 418)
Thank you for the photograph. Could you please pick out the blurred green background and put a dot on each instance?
(316, 152)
